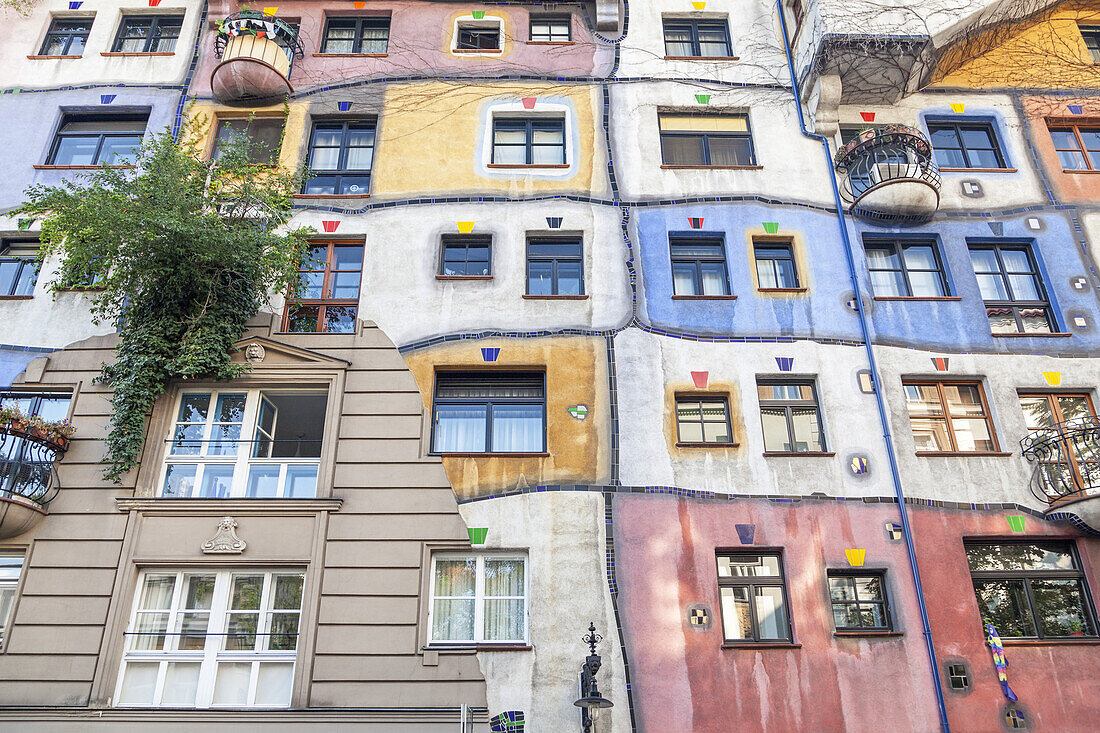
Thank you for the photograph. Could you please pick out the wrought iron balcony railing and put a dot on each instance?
(1066, 458)
(890, 175)
(27, 466)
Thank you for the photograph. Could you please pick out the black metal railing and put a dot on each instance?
(27, 466)
(229, 447)
(882, 156)
(249, 22)
(1066, 458)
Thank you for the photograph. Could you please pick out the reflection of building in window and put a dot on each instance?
(790, 416)
(327, 299)
(753, 597)
(18, 268)
(1076, 461)
(949, 417)
(67, 37)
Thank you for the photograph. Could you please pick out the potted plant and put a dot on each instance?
(1076, 628)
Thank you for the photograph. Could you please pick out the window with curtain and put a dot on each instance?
(328, 291)
(551, 29)
(95, 139)
(478, 598)
(790, 416)
(752, 596)
(905, 268)
(253, 443)
(356, 35)
(703, 420)
(1012, 288)
(211, 639)
(18, 268)
(949, 417)
(11, 565)
(66, 37)
(341, 154)
(859, 600)
(685, 38)
(489, 412)
(529, 141)
(698, 267)
(775, 267)
(148, 34)
(695, 140)
(555, 266)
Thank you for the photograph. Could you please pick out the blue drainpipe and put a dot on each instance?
(886, 435)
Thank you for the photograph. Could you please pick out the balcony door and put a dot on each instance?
(1062, 420)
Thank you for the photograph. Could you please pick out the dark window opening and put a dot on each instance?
(67, 37)
(18, 267)
(478, 37)
(555, 266)
(95, 139)
(263, 136)
(466, 255)
(148, 34)
(958, 676)
(1091, 34)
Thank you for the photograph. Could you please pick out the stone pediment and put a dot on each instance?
(263, 353)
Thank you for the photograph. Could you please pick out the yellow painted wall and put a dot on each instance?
(576, 373)
(738, 428)
(204, 116)
(1047, 54)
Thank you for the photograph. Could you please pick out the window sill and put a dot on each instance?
(962, 454)
(76, 289)
(702, 58)
(1031, 335)
(707, 445)
(871, 634)
(16, 297)
(761, 645)
(137, 53)
(667, 166)
(917, 297)
(525, 166)
(491, 455)
(235, 505)
(1064, 170)
(527, 296)
(331, 196)
(1077, 641)
(551, 43)
(782, 290)
(463, 277)
(479, 51)
(798, 454)
(979, 170)
(44, 57)
(467, 648)
(315, 333)
(352, 55)
(704, 297)
(78, 167)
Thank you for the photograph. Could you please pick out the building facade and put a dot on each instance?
(760, 336)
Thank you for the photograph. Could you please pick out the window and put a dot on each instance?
(66, 37)
(905, 268)
(859, 601)
(206, 639)
(1078, 146)
(489, 412)
(965, 145)
(1080, 467)
(790, 416)
(356, 35)
(328, 289)
(551, 29)
(775, 269)
(474, 36)
(1008, 278)
(753, 597)
(11, 565)
(949, 417)
(25, 470)
(340, 155)
(263, 135)
(148, 34)
(1091, 34)
(18, 268)
(1031, 590)
(698, 267)
(958, 676)
(703, 420)
(528, 141)
(554, 266)
(705, 140)
(478, 599)
(466, 255)
(97, 139)
(697, 39)
(231, 443)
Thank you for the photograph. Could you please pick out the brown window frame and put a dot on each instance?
(947, 416)
(1061, 124)
(1059, 417)
(322, 304)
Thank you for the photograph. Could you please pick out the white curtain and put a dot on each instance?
(504, 601)
(460, 428)
(517, 428)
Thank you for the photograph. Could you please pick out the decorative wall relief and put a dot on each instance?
(225, 541)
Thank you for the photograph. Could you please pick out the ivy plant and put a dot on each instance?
(178, 252)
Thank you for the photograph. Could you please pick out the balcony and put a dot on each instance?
(257, 51)
(889, 175)
(1067, 467)
(28, 479)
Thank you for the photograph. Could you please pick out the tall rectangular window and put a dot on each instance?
(478, 599)
(11, 565)
(356, 35)
(328, 289)
(66, 37)
(528, 141)
(696, 140)
(903, 268)
(555, 266)
(1009, 280)
(1034, 590)
(698, 267)
(1091, 34)
(949, 417)
(1078, 463)
(1078, 145)
(341, 154)
(775, 268)
(753, 597)
(859, 600)
(253, 443)
(790, 416)
(212, 639)
(466, 255)
(966, 145)
(97, 139)
(18, 268)
(703, 420)
(148, 34)
(697, 38)
(264, 136)
(489, 412)
(551, 29)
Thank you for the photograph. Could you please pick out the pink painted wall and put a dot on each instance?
(418, 46)
(683, 680)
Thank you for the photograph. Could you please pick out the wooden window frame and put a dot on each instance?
(1074, 126)
(361, 22)
(324, 303)
(897, 247)
(947, 417)
(855, 573)
(776, 581)
(68, 36)
(152, 40)
(1016, 305)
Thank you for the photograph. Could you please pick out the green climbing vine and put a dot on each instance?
(178, 252)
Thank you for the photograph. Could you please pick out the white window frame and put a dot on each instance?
(243, 459)
(11, 585)
(515, 108)
(479, 598)
(212, 654)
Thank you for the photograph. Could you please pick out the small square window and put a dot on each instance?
(699, 267)
(555, 266)
(958, 676)
(753, 597)
(859, 601)
(478, 36)
(148, 34)
(466, 255)
(703, 420)
(18, 267)
(533, 141)
(775, 266)
(1015, 719)
(66, 37)
(264, 136)
(551, 29)
(356, 35)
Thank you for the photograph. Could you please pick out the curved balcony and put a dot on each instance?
(28, 479)
(1067, 467)
(890, 175)
(257, 52)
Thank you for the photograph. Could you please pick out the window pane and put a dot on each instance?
(193, 628)
(139, 681)
(963, 399)
(1036, 320)
(887, 283)
(869, 588)
(748, 566)
(231, 685)
(118, 150)
(517, 428)
(217, 481)
(503, 620)
(714, 278)
(771, 614)
(303, 318)
(180, 684)
(1013, 556)
(301, 482)
(455, 577)
(776, 437)
(682, 149)
(766, 274)
(273, 683)
(540, 278)
(1024, 287)
(149, 631)
(460, 428)
(926, 284)
(807, 431)
(716, 432)
(736, 613)
(200, 592)
(263, 481)
(179, 480)
(1061, 609)
(842, 589)
(284, 631)
(548, 154)
(453, 620)
(240, 631)
(247, 590)
(504, 577)
(156, 593)
(730, 151)
(345, 285)
(683, 279)
(76, 151)
(1072, 160)
(1003, 603)
(325, 159)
